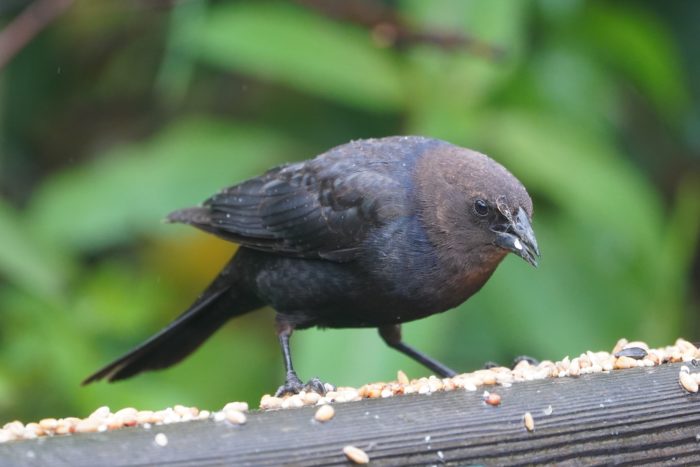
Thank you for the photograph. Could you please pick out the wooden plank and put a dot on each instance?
(629, 416)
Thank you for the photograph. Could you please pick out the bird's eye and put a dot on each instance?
(480, 207)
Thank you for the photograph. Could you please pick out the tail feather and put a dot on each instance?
(195, 216)
(181, 337)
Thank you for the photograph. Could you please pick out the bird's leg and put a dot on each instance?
(292, 383)
(392, 336)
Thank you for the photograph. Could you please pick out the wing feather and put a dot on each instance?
(322, 208)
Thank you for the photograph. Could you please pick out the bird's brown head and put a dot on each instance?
(474, 206)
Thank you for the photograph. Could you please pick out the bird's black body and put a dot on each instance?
(373, 233)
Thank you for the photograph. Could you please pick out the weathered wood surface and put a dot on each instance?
(624, 417)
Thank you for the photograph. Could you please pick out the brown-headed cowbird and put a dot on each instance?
(373, 233)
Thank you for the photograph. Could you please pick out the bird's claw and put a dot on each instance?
(318, 386)
(293, 385)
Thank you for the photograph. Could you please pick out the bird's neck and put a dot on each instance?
(466, 274)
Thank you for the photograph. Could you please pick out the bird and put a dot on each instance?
(370, 234)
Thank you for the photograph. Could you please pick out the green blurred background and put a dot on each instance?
(119, 111)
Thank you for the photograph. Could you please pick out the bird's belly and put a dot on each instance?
(326, 294)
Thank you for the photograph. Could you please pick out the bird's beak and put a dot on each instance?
(516, 235)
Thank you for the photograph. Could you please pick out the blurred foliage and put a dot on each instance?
(119, 112)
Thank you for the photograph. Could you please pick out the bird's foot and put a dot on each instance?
(293, 385)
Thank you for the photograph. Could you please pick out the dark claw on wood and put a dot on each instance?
(317, 386)
(293, 385)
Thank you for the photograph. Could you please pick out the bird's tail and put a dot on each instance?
(219, 303)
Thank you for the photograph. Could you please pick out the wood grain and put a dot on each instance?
(625, 417)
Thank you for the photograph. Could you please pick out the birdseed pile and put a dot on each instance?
(623, 356)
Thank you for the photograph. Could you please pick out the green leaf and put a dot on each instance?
(501, 24)
(130, 189)
(613, 229)
(580, 171)
(23, 261)
(637, 43)
(287, 44)
(468, 77)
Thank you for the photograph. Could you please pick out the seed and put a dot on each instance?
(529, 421)
(48, 424)
(100, 413)
(235, 416)
(607, 365)
(356, 455)
(144, 416)
(311, 398)
(491, 398)
(625, 362)
(620, 345)
(33, 429)
(161, 440)
(688, 382)
(363, 391)
(434, 384)
(62, 428)
(126, 416)
(574, 368)
(548, 410)
(293, 402)
(112, 423)
(640, 344)
(470, 386)
(186, 413)
(240, 406)
(270, 402)
(71, 420)
(686, 347)
(584, 361)
(636, 353)
(89, 425)
(346, 395)
(5, 435)
(521, 365)
(655, 357)
(401, 377)
(488, 377)
(158, 416)
(127, 412)
(324, 413)
(16, 427)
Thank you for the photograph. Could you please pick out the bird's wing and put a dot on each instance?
(316, 209)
